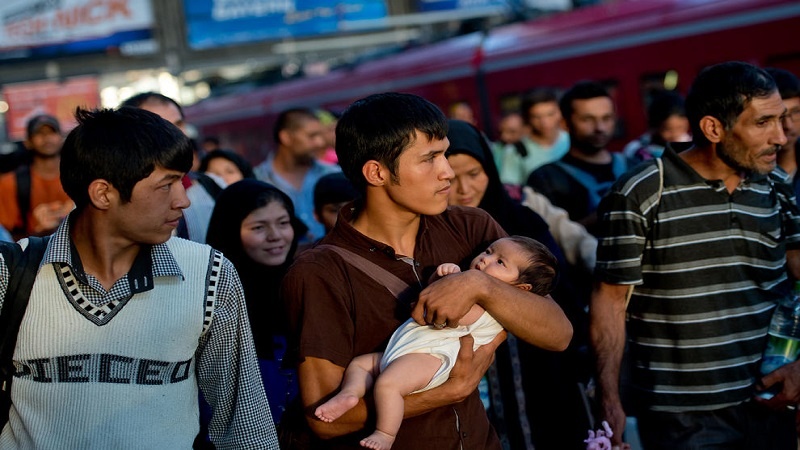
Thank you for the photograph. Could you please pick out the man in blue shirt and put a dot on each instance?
(294, 168)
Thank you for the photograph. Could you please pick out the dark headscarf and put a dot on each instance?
(509, 213)
(541, 377)
(261, 283)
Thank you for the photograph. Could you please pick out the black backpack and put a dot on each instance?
(23, 174)
(22, 267)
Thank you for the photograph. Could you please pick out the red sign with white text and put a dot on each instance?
(58, 99)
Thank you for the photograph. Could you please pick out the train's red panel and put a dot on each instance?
(629, 45)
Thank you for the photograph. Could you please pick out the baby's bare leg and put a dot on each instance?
(358, 378)
(403, 376)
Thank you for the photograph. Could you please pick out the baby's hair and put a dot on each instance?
(542, 268)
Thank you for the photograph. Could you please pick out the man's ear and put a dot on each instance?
(284, 137)
(374, 173)
(102, 194)
(712, 129)
(525, 286)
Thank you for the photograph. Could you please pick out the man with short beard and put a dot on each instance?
(294, 168)
(580, 178)
(32, 202)
(710, 243)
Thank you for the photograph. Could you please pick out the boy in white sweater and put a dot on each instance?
(124, 322)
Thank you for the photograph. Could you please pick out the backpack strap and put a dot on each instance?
(23, 174)
(521, 150)
(595, 189)
(393, 284)
(209, 185)
(619, 164)
(23, 266)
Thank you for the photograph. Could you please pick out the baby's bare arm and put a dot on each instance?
(444, 269)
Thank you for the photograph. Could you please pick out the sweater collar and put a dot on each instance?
(152, 261)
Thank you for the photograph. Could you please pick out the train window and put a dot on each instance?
(656, 82)
(667, 80)
(651, 84)
(510, 103)
(790, 62)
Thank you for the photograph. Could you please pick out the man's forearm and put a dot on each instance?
(793, 263)
(426, 401)
(534, 319)
(353, 420)
(607, 337)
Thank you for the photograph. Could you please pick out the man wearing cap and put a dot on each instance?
(32, 201)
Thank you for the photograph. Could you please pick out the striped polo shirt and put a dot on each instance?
(709, 268)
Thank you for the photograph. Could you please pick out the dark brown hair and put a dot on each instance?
(542, 269)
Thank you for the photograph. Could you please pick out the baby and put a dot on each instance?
(420, 357)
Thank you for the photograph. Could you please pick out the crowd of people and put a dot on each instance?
(389, 277)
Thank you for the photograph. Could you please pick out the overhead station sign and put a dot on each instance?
(47, 28)
(214, 23)
(446, 5)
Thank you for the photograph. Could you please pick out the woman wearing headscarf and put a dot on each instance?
(534, 396)
(254, 226)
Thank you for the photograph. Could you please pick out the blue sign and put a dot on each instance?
(445, 5)
(213, 23)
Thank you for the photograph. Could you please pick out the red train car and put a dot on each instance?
(631, 46)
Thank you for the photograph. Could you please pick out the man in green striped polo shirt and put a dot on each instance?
(710, 244)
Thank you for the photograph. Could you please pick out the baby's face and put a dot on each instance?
(501, 260)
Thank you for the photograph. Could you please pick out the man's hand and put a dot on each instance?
(613, 413)
(788, 378)
(49, 215)
(449, 299)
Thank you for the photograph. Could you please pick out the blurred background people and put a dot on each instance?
(461, 110)
(294, 168)
(254, 225)
(331, 193)
(578, 180)
(210, 143)
(229, 166)
(511, 129)
(545, 142)
(328, 121)
(12, 155)
(666, 122)
(789, 88)
(160, 104)
(32, 201)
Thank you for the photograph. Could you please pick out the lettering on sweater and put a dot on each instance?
(102, 368)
